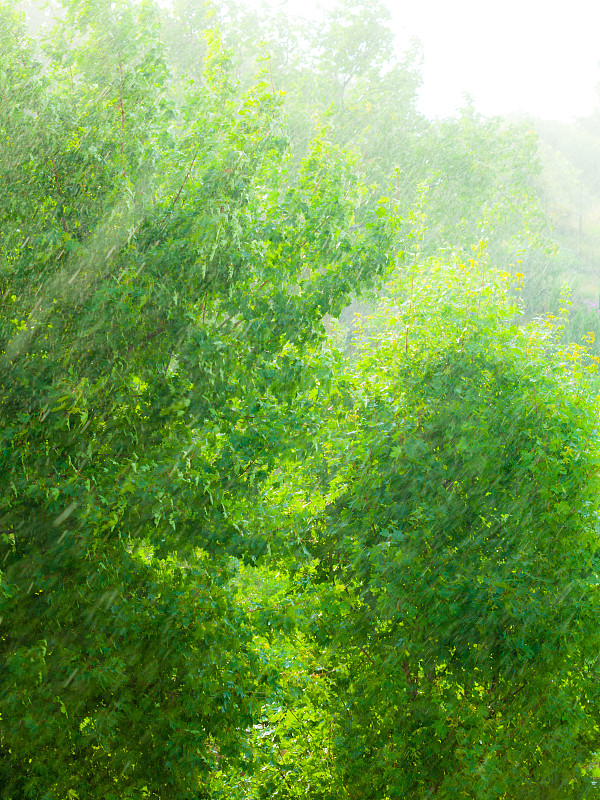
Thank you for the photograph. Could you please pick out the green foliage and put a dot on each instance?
(166, 280)
(470, 177)
(235, 562)
(469, 526)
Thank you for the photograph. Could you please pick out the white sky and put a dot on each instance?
(535, 56)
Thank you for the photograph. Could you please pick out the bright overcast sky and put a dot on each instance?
(535, 56)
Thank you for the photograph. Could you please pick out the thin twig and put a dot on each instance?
(187, 175)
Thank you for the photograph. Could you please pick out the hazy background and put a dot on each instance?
(524, 56)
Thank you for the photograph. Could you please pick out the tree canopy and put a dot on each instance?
(247, 552)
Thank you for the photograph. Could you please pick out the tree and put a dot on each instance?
(471, 177)
(166, 282)
(465, 532)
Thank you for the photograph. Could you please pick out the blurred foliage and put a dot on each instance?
(241, 559)
(570, 193)
(470, 177)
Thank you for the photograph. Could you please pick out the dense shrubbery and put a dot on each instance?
(237, 562)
